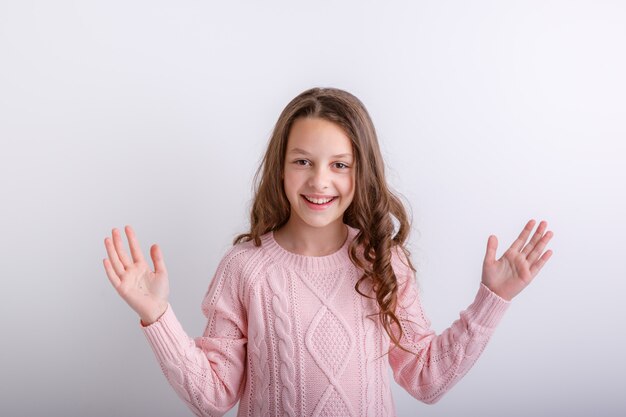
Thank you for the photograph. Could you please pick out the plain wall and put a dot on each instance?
(156, 113)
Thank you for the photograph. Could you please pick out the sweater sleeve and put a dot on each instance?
(208, 372)
(439, 361)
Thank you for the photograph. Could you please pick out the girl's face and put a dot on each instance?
(319, 173)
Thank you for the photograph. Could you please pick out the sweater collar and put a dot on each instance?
(339, 258)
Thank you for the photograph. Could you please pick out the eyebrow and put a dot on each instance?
(305, 153)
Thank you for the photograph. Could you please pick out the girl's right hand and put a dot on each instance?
(144, 290)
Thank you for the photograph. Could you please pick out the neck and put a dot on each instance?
(312, 241)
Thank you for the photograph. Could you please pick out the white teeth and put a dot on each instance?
(318, 200)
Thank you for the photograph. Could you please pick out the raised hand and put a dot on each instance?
(519, 265)
(144, 290)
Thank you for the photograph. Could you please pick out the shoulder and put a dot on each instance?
(239, 266)
(241, 257)
(406, 278)
(399, 260)
(402, 266)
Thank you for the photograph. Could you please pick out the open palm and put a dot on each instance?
(519, 265)
(144, 290)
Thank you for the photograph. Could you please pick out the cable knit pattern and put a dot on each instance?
(369, 354)
(330, 341)
(326, 360)
(384, 380)
(260, 368)
(285, 345)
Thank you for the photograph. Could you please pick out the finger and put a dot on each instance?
(492, 247)
(114, 260)
(536, 267)
(532, 256)
(536, 237)
(119, 248)
(135, 249)
(521, 239)
(157, 259)
(113, 278)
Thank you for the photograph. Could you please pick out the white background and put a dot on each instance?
(156, 113)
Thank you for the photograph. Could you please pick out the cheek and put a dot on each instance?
(290, 183)
(347, 186)
(287, 187)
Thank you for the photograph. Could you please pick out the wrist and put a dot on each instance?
(154, 316)
(498, 293)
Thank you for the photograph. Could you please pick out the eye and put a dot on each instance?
(301, 162)
(341, 165)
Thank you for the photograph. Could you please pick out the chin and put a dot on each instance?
(321, 224)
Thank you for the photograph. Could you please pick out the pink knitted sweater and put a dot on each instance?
(288, 335)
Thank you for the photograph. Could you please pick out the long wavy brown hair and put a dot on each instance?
(373, 210)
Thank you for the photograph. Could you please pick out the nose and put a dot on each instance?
(319, 178)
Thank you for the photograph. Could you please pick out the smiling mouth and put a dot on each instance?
(319, 201)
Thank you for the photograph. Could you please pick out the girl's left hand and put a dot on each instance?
(517, 267)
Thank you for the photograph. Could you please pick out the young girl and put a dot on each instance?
(308, 307)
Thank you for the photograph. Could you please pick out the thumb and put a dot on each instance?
(157, 259)
(492, 246)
